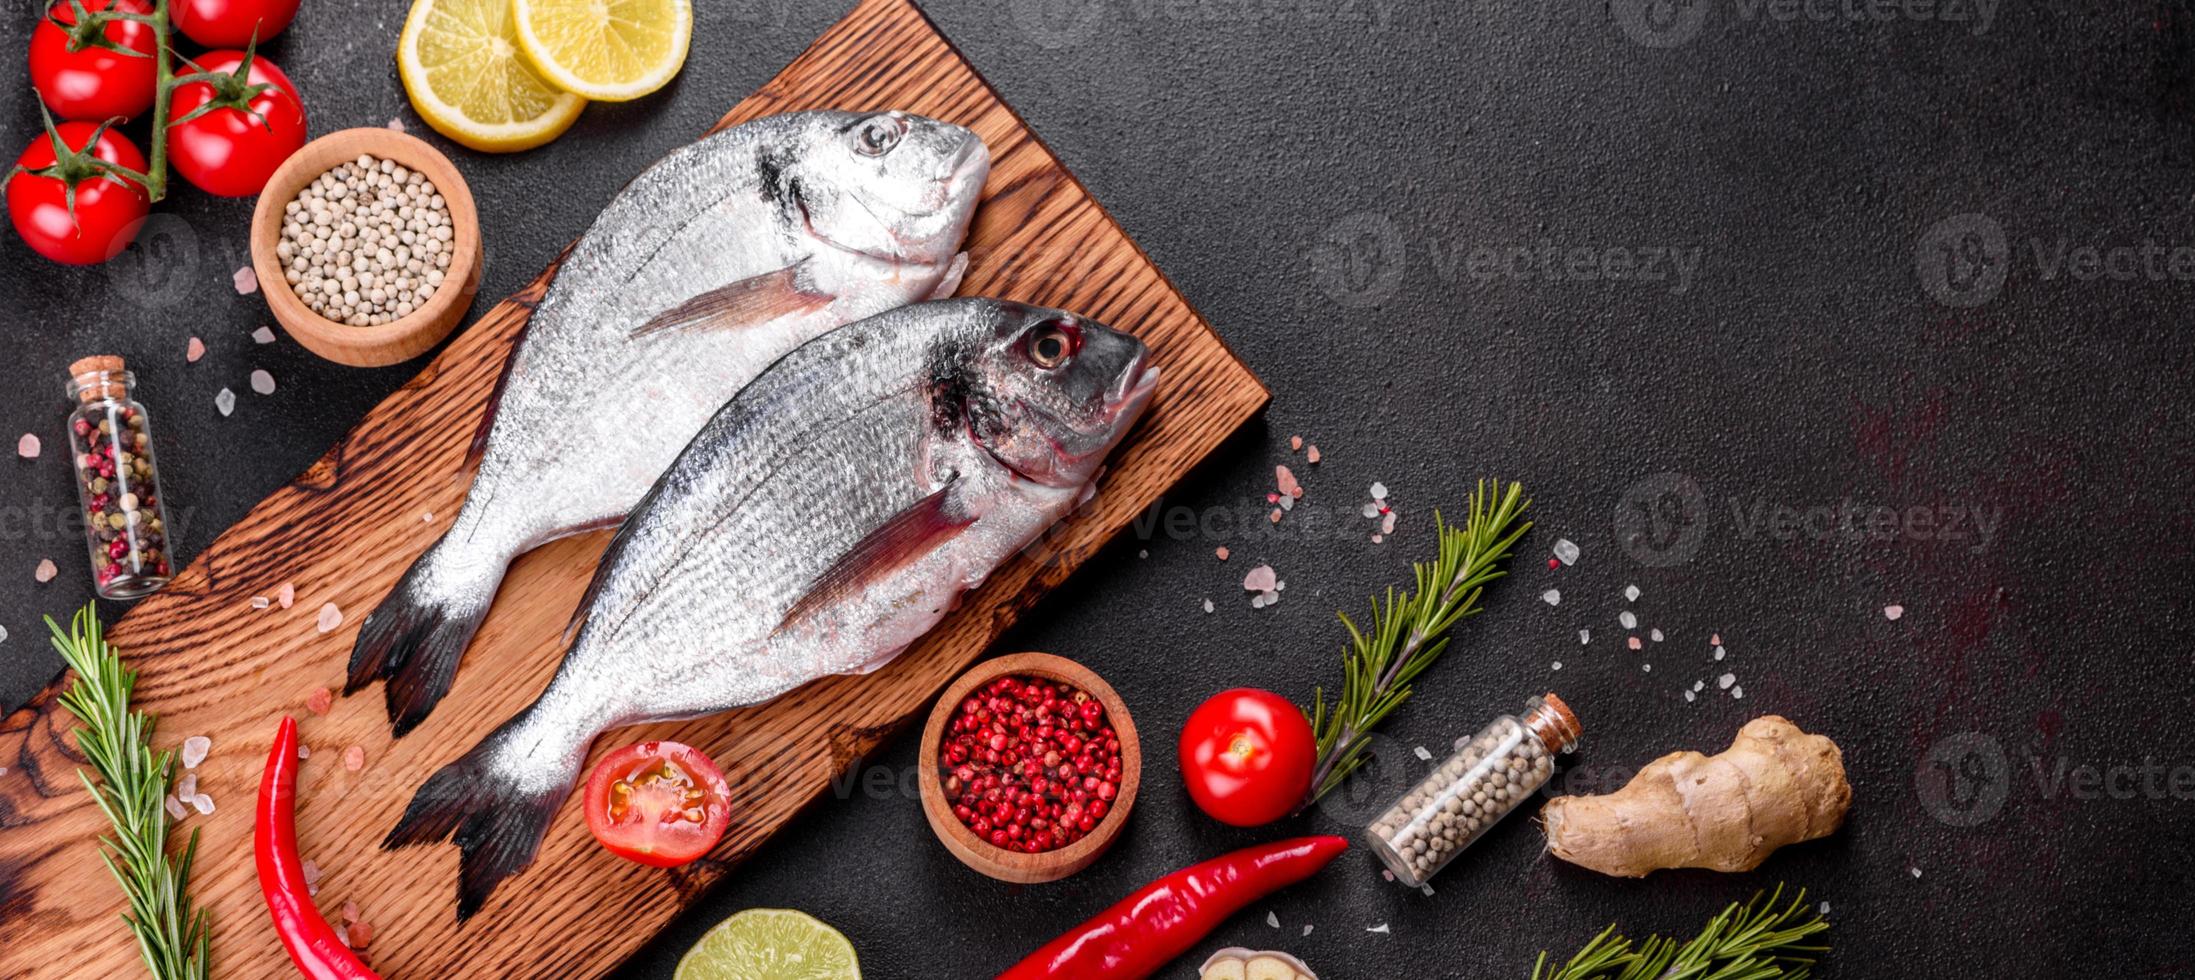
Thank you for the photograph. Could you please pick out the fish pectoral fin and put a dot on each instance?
(906, 536)
(950, 282)
(750, 301)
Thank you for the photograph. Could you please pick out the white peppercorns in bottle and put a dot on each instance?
(1489, 775)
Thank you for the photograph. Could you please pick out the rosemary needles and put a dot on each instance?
(1759, 940)
(133, 779)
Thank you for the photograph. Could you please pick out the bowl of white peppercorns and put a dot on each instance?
(367, 246)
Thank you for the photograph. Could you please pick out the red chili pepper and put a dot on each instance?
(1161, 921)
(313, 944)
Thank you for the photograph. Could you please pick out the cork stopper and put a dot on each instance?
(98, 378)
(1555, 723)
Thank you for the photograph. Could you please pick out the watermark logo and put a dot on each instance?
(1963, 260)
(1055, 24)
(1964, 779)
(1848, 520)
(1358, 261)
(1659, 23)
(1661, 520)
(159, 268)
(1362, 259)
(1673, 23)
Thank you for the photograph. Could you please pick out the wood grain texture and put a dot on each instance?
(210, 664)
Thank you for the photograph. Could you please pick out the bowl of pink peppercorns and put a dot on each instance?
(1029, 766)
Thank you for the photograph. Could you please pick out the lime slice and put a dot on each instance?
(606, 50)
(460, 64)
(770, 944)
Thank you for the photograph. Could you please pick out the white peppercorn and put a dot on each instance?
(367, 242)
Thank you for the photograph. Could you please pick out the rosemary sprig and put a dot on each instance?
(1754, 941)
(1409, 632)
(132, 786)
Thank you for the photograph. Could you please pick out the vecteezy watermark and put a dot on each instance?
(1849, 520)
(1964, 260)
(1661, 520)
(1363, 258)
(1965, 779)
(1672, 23)
(1061, 23)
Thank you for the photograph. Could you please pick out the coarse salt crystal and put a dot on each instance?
(225, 401)
(1295, 443)
(1311, 456)
(1272, 919)
(1738, 692)
(304, 751)
(1725, 681)
(1715, 640)
(3, 634)
(350, 912)
(1825, 908)
(331, 616)
(1221, 552)
(1260, 579)
(1631, 593)
(262, 382)
(1285, 479)
(1552, 597)
(1371, 510)
(1889, 612)
(1288, 503)
(28, 446)
(1143, 552)
(195, 749)
(1381, 929)
(1655, 634)
(312, 872)
(263, 335)
(1307, 928)
(426, 517)
(202, 803)
(1271, 596)
(1276, 515)
(45, 571)
(285, 595)
(1718, 653)
(1690, 696)
(1389, 875)
(1379, 491)
(261, 602)
(186, 785)
(1632, 642)
(1557, 665)
(396, 125)
(1207, 606)
(194, 350)
(246, 281)
(1566, 551)
(1426, 889)
(319, 700)
(1377, 538)
(1387, 523)
(1696, 685)
(1422, 754)
(354, 758)
(1629, 621)
(1585, 637)
(1916, 872)
(1646, 668)
(175, 808)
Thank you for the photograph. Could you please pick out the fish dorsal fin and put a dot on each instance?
(757, 299)
(900, 540)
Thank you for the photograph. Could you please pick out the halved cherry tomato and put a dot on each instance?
(659, 803)
(231, 23)
(1246, 756)
(109, 210)
(81, 79)
(227, 150)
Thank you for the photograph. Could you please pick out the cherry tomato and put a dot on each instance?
(92, 82)
(1246, 756)
(659, 803)
(230, 23)
(228, 151)
(108, 212)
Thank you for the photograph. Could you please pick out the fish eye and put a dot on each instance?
(1051, 347)
(879, 134)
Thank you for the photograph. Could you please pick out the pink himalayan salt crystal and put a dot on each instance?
(1261, 579)
(1295, 443)
(286, 595)
(46, 571)
(304, 751)
(1893, 612)
(28, 446)
(1387, 523)
(354, 758)
(1287, 482)
(1715, 640)
(1312, 456)
(331, 616)
(350, 912)
(247, 281)
(194, 350)
(1221, 551)
(195, 749)
(396, 125)
(320, 700)
(1633, 643)
(1275, 515)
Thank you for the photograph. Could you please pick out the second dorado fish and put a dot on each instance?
(827, 517)
(710, 265)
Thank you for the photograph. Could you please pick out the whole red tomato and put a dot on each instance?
(109, 211)
(78, 78)
(659, 803)
(228, 150)
(1246, 756)
(231, 23)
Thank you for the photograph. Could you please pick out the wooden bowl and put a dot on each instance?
(398, 340)
(1015, 866)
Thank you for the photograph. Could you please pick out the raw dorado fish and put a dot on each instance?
(828, 516)
(706, 268)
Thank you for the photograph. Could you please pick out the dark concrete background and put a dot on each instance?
(1882, 211)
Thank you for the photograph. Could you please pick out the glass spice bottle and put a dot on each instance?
(117, 480)
(1489, 775)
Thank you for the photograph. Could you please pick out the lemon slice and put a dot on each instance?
(460, 63)
(770, 944)
(606, 50)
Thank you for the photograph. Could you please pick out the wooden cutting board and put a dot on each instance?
(343, 531)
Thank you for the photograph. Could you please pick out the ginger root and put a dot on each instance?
(1775, 785)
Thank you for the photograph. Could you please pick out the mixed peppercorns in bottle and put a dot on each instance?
(117, 480)
(1489, 775)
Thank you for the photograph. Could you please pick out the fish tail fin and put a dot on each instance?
(416, 637)
(495, 815)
